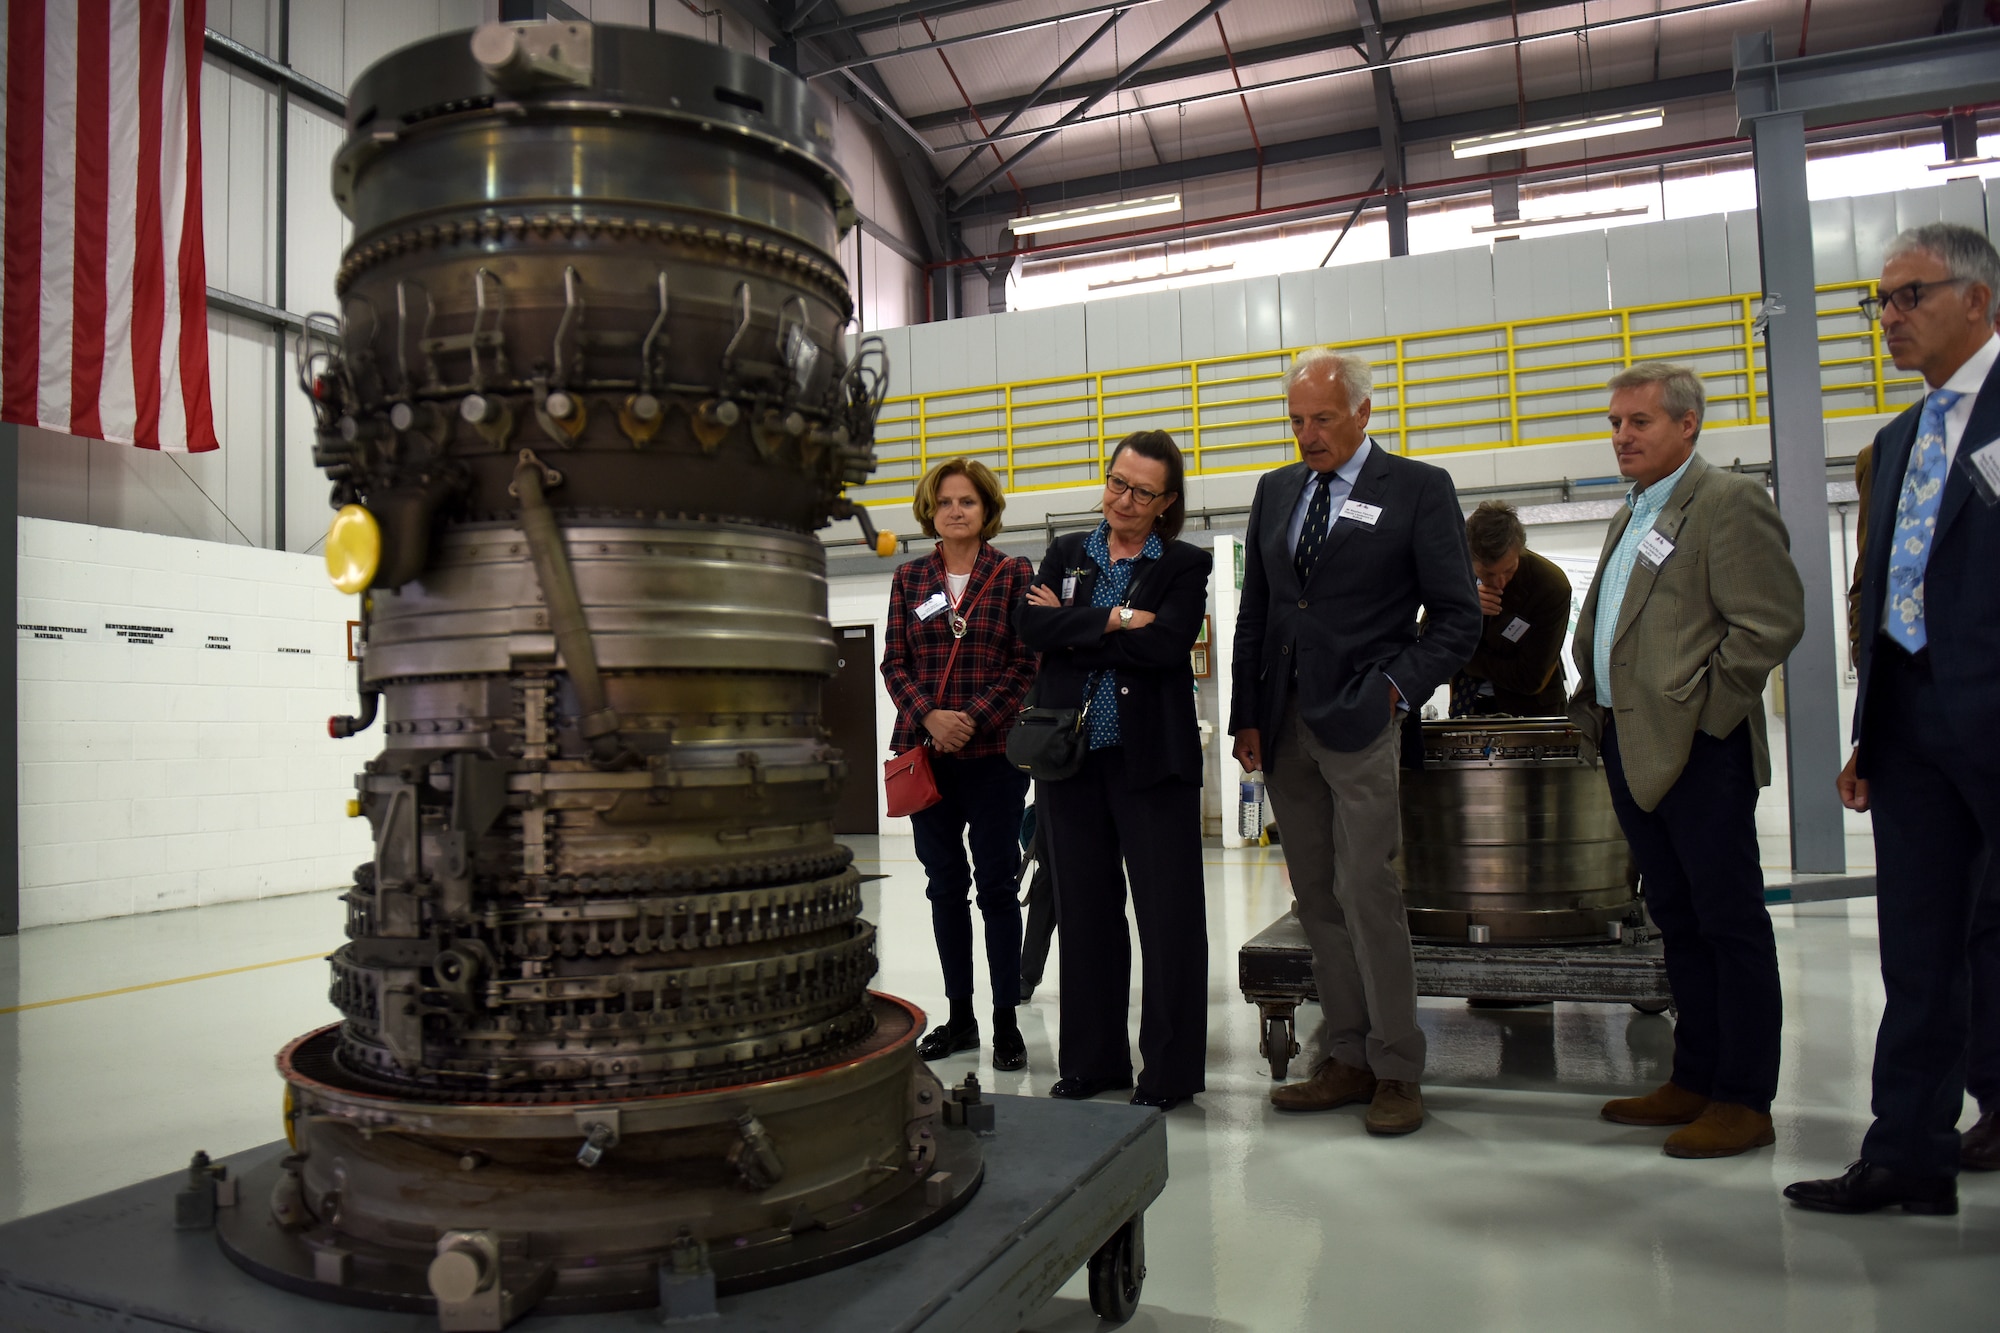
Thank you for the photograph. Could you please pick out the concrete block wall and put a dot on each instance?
(172, 703)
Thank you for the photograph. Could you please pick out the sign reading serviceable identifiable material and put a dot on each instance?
(49, 620)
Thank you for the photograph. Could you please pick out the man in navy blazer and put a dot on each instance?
(1344, 548)
(1924, 763)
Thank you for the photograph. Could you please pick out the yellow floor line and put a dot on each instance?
(155, 985)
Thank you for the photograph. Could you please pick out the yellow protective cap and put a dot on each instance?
(353, 549)
(353, 808)
(885, 543)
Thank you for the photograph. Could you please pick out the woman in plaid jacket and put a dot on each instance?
(964, 594)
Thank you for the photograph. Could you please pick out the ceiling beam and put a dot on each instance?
(1392, 31)
(1041, 89)
(875, 20)
(1389, 122)
(1123, 77)
(1366, 139)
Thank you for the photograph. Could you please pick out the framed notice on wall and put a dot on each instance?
(1198, 657)
(354, 641)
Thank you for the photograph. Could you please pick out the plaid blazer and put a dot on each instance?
(993, 671)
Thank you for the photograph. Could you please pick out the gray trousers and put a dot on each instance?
(1342, 828)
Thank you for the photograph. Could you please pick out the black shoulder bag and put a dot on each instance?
(1049, 744)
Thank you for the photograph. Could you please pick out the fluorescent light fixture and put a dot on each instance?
(1560, 218)
(1096, 213)
(1965, 162)
(1562, 131)
(1165, 275)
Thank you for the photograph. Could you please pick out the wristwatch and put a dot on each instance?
(1124, 617)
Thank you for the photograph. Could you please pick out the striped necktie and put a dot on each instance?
(1313, 534)
(1916, 523)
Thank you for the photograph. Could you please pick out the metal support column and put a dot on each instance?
(10, 716)
(1813, 746)
(281, 228)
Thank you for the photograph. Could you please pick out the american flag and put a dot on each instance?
(103, 311)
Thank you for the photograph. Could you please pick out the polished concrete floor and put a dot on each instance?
(126, 1044)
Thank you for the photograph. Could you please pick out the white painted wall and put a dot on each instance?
(173, 701)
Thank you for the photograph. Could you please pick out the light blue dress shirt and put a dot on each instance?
(1617, 572)
(1337, 490)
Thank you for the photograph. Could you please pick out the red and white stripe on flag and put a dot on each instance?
(103, 287)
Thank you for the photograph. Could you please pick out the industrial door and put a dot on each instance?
(848, 706)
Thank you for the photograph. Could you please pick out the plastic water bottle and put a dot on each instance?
(1250, 808)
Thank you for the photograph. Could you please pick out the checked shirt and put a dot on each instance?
(994, 669)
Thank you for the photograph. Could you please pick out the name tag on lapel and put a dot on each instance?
(1515, 630)
(1069, 589)
(1361, 513)
(1983, 466)
(933, 604)
(1655, 549)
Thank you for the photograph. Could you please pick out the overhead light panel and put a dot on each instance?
(1096, 213)
(1561, 131)
(1561, 218)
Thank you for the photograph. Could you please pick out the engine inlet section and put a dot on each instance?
(607, 1034)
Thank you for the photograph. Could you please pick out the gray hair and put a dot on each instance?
(1351, 372)
(1680, 388)
(1963, 252)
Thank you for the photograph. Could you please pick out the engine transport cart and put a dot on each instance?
(1274, 970)
(1066, 1187)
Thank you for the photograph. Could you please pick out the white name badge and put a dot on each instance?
(1656, 548)
(1515, 630)
(933, 604)
(1069, 589)
(1985, 472)
(1361, 513)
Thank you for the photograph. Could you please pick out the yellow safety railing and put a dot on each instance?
(1487, 386)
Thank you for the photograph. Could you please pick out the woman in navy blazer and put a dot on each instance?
(1114, 613)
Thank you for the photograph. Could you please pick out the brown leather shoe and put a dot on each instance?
(1398, 1107)
(1332, 1084)
(1668, 1104)
(1979, 1147)
(1724, 1129)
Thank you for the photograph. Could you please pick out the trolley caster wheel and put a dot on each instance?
(1279, 1045)
(1117, 1272)
(1650, 1006)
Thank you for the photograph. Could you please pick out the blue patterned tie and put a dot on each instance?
(1314, 531)
(1916, 523)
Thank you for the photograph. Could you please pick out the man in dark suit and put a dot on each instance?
(1929, 706)
(1344, 547)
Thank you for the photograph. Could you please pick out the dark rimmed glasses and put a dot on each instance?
(1905, 297)
(1117, 485)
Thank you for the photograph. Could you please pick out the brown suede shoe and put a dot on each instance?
(1398, 1108)
(1979, 1147)
(1668, 1104)
(1332, 1084)
(1724, 1129)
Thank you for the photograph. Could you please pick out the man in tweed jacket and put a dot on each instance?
(1695, 600)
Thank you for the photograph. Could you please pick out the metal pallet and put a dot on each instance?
(1066, 1185)
(1274, 970)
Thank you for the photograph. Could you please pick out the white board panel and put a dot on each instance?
(1262, 326)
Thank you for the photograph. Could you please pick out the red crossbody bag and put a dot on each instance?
(907, 781)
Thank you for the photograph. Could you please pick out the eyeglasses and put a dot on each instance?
(1905, 297)
(1117, 485)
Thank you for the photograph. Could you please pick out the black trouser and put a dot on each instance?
(1090, 823)
(1934, 793)
(1697, 855)
(981, 798)
(1982, 1050)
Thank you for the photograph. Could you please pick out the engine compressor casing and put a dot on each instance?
(605, 1002)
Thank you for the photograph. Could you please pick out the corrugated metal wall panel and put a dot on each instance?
(1668, 261)
(1746, 266)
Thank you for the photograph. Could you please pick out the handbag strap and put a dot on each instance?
(968, 602)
